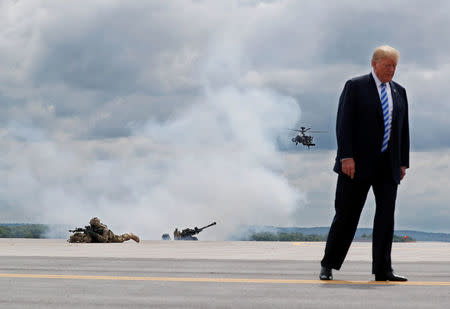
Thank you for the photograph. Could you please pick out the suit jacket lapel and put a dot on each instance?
(374, 94)
(395, 100)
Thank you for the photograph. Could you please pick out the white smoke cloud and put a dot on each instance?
(221, 156)
(218, 160)
(222, 161)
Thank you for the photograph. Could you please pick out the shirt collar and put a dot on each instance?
(377, 81)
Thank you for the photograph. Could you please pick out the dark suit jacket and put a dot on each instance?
(360, 127)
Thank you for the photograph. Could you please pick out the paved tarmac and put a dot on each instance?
(185, 274)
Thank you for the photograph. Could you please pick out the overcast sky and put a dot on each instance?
(160, 114)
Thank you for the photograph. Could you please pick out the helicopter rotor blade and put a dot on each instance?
(318, 131)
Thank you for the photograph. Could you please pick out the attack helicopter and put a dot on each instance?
(304, 139)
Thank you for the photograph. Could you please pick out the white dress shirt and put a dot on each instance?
(389, 94)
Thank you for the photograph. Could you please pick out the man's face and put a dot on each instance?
(385, 69)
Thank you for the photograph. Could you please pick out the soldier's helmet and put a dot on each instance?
(95, 221)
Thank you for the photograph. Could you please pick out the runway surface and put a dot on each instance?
(185, 274)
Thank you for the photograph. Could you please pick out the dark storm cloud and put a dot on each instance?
(111, 51)
(80, 59)
(312, 61)
(354, 30)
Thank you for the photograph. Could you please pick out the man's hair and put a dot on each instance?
(385, 51)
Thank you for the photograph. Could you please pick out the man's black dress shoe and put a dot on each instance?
(389, 276)
(326, 274)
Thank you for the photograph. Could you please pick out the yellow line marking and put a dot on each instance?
(221, 280)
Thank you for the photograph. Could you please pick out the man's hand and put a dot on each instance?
(402, 172)
(348, 167)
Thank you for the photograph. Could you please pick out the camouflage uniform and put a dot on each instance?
(99, 232)
(80, 237)
(176, 234)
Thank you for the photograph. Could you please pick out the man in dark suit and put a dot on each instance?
(373, 151)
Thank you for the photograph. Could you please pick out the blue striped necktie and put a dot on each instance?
(386, 118)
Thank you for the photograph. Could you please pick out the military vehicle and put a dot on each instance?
(188, 234)
(165, 236)
(304, 139)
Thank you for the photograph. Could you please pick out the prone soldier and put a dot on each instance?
(98, 232)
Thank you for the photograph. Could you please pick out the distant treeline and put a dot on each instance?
(396, 238)
(298, 236)
(23, 230)
(247, 232)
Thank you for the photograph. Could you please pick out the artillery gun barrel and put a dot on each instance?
(201, 229)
